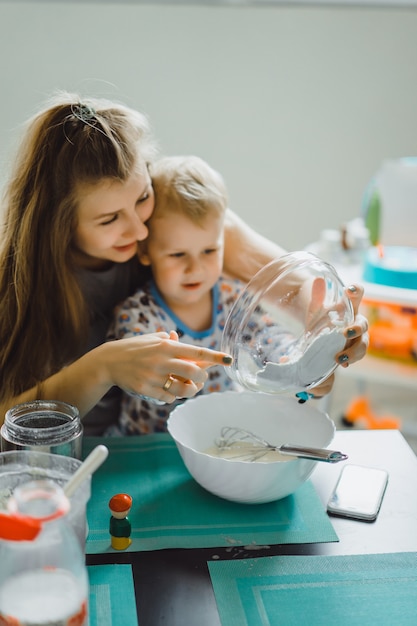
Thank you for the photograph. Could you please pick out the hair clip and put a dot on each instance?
(84, 113)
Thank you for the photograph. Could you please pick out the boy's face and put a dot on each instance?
(186, 258)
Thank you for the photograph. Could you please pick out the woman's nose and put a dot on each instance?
(137, 228)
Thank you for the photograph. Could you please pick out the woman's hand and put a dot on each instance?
(159, 366)
(357, 340)
(155, 365)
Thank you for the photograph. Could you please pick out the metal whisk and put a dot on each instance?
(253, 447)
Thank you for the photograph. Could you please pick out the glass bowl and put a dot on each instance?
(287, 325)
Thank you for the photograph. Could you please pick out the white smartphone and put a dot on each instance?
(358, 493)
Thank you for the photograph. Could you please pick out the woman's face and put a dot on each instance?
(111, 219)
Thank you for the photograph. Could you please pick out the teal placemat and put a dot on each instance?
(362, 590)
(170, 510)
(112, 596)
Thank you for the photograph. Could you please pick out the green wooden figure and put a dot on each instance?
(120, 527)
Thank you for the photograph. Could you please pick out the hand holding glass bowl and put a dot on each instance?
(288, 325)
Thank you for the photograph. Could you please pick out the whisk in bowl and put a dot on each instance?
(247, 446)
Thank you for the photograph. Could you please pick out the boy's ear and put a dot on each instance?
(143, 253)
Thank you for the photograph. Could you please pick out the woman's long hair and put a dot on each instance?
(44, 318)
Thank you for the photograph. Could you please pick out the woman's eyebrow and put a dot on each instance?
(106, 214)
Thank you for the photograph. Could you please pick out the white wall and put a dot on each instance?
(296, 106)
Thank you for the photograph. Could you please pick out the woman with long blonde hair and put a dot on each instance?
(76, 205)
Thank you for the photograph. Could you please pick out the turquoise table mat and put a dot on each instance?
(170, 510)
(112, 596)
(360, 590)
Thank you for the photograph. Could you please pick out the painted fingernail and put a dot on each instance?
(351, 332)
(343, 358)
(303, 396)
(227, 360)
(352, 288)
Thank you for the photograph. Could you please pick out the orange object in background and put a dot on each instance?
(392, 330)
(392, 335)
(359, 412)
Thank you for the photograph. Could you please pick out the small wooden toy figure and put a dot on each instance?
(120, 527)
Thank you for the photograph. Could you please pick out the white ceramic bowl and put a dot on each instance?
(196, 424)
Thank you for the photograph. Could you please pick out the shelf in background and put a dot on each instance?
(383, 371)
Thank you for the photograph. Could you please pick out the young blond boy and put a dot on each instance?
(187, 292)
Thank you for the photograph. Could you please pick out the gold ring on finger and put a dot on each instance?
(167, 385)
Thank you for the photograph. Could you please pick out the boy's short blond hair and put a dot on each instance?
(187, 185)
